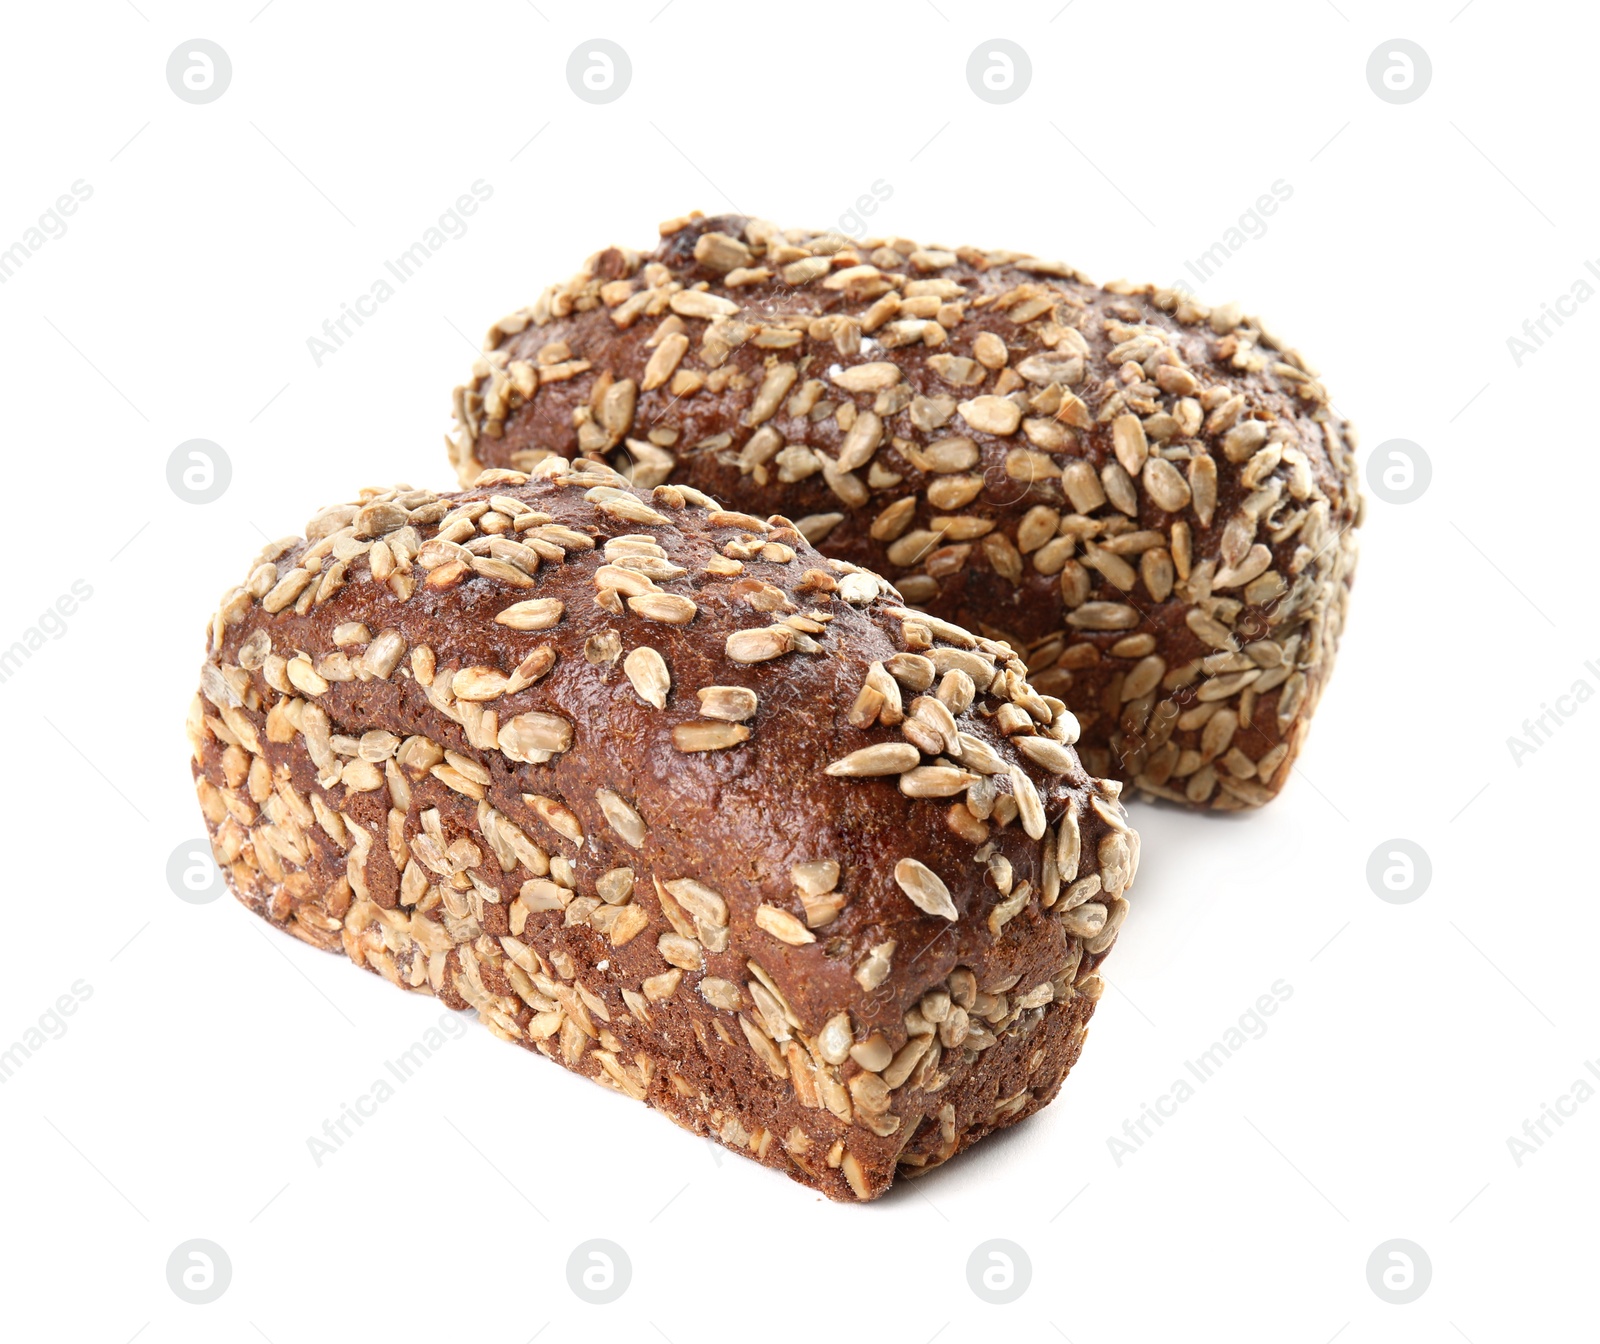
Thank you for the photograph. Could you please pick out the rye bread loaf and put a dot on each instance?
(1152, 500)
(672, 800)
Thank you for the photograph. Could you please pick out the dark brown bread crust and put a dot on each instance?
(1183, 592)
(428, 735)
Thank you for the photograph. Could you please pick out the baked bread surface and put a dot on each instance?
(1151, 499)
(669, 798)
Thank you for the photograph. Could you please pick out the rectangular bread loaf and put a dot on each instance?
(668, 798)
(1151, 500)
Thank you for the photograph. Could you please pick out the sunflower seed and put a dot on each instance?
(1052, 755)
(1079, 892)
(719, 252)
(722, 994)
(934, 781)
(783, 926)
(1103, 616)
(522, 736)
(958, 370)
(861, 442)
(647, 670)
(1203, 487)
(538, 613)
(708, 736)
(978, 755)
(658, 987)
(805, 270)
(629, 582)
(1210, 630)
(625, 507)
(702, 903)
(664, 360)
(874, 968)
(1255, 563)
(815, 527)
(1165, 486)
(873, 1054)
(816, 877)
(735, 704)
(384, 653)
(684, 953)
(1143, 677)
(760, 645)
(622, 819)
(911, 670)
(670, 608)
(697, 303)
(1086, 920)
(1082, 486)
(957, 690)
(303, 677)
(1030, 807)
(859, 589)
(991, 415)
(925, 888)
(936, 717)
(866, 377)
(478, 683)
(1128, 441)
(883, 758)
(835, 1039)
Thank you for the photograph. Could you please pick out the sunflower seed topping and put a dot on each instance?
(478, 683)
(734, 704)
(539, 613)
(525, 735)
(1166, 442)
(622, 818)
(925, 888)
(704, 735)
(783, 926)
(670, 608)
(883, 758)
(760, 645)
(1057, 759)
(874, 968)
(816, 877)
(647, 670)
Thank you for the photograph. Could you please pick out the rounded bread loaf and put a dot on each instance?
(1151, 499)
(669, 798)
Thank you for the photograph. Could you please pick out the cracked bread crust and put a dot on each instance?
(667, 797)
(1151, 499)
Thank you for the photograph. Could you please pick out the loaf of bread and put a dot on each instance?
(1150, 499)
(669, 798)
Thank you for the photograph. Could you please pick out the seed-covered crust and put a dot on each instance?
(1151, 499)
(568, 752)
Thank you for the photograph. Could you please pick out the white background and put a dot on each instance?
(1418, 1038)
